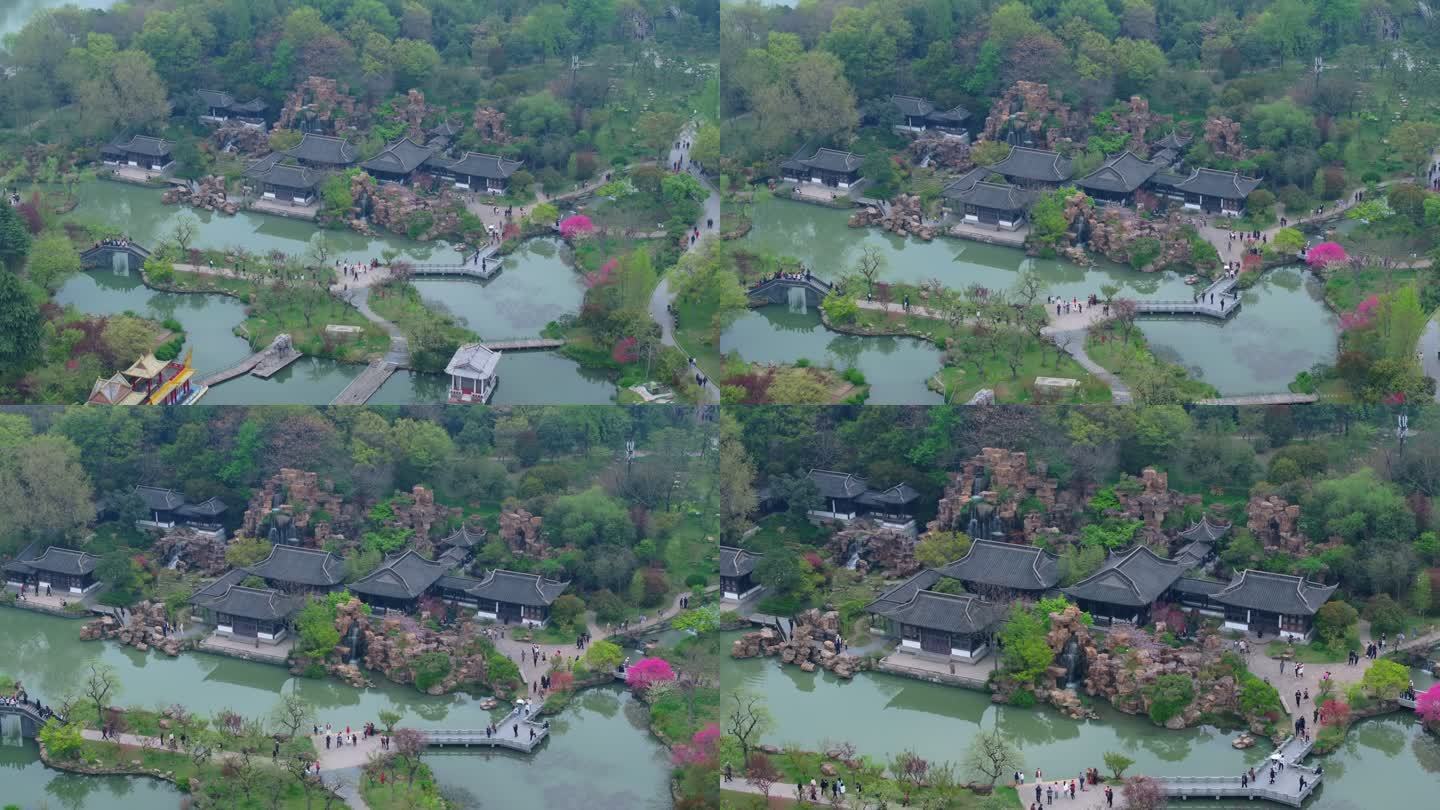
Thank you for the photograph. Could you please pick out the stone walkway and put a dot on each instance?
(399, 352)
(709, 224)
(1430, 351)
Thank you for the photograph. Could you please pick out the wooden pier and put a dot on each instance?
(506, 734)
(476, 265)
(360, 389)
(522, 344)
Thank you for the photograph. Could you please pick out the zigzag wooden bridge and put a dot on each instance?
(513, 733)
(1226, 303)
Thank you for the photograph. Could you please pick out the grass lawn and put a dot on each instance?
(689, 552)
(782, 528)
(1305, 653)
(1134, 362)
(399, 794)
(268, 320)
(696, 336)
(183, 768)
(959, 383)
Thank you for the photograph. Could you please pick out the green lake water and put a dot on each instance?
(895, 368)
(883, 715)
(1283, 329)
(535, 288)
(47, 656)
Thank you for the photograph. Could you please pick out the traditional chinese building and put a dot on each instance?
(221, 106)
(399, 582)
(982, 202)
(1005, 571)
(829, 167)
(285, 182)
(476, 171)
(1126, 585)
(141, 151)
(295, 569)
(325, 152)
(168, 508)
(1036, 169)
(473, 374)
(932, 623)
(1118, 178)
(161, 382)
(737, 574)
(60, 569)
(1272, 604)
(847, 496)
(399, 162)
(1208, 190)
(512, 597)
(920, 115)
(236, 611)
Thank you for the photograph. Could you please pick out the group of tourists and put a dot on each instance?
(1434, 177)
(1047, 792)
(1075, 305)
(35, 588)
(824, 790)
(116, 241)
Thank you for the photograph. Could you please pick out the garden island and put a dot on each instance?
(423, 607)
(1073, 201)
(959, 607)
(232, 202)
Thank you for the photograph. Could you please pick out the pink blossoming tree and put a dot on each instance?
(576, 225)
(1427, 707)
(647, 672)
(702, 748)
(1326, 254)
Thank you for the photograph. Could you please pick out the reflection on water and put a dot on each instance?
(536, 287)
(600, 755)
(1283, 328)
(896, 368)
(884, 715)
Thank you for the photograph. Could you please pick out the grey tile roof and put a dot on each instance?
(477, 164)
(1194, 553)
(1276, 593)
(736, 562)
(833, 484)
(954, 115)
(464, 538)
(324, 149)
(942, 611)
(285, 175)
(1200, 587)
(208, 508)
(912, 106)
(999, 196)
(450, 582)
(404, 576)
(1167, 179)
(1034, 164)
(160, 499)
(215, 98)
(905, 591)
(1215, 183)
(303, 566)
(518, 589)
(1133, 578)
(1006, 565)
(146, 145)
(474, 360)
(1122, 173)
(227, 595)
(1205, 530)
(1173, 140)
(401, 157)
(898, 495)
(965, 182)
(835, 161)
(444, 129)
(63, 561)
